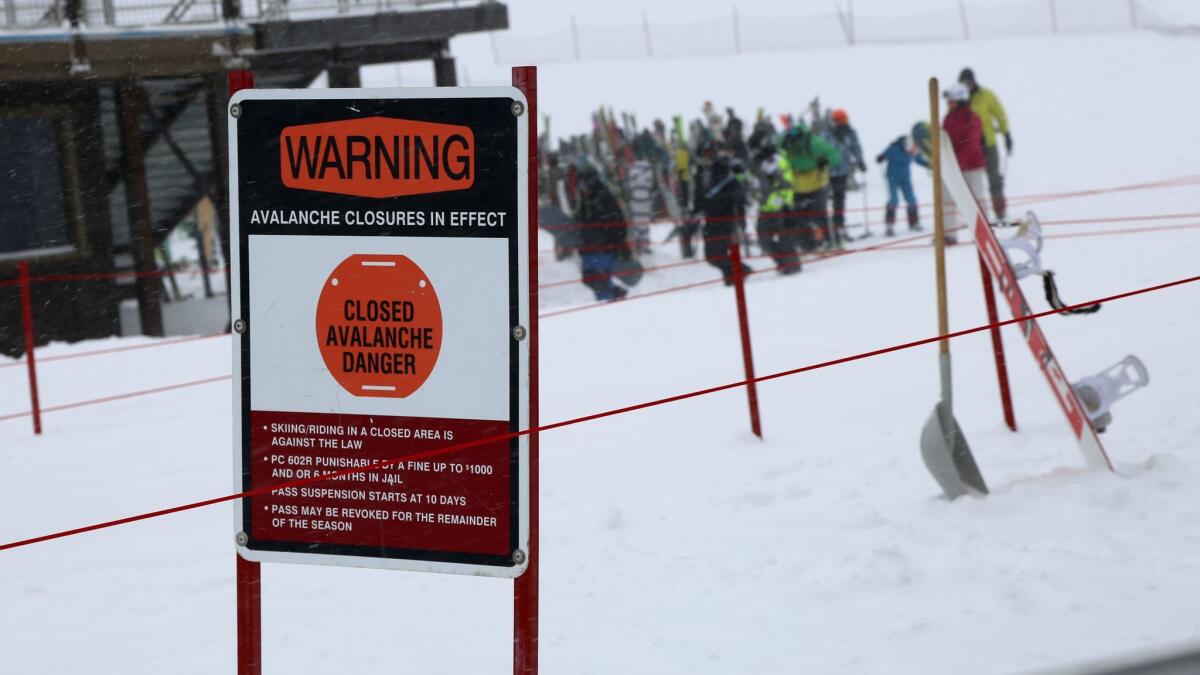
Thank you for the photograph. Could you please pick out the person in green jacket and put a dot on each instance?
(810, 157)
(987, 106)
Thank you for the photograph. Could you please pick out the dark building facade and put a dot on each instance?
(109, 136)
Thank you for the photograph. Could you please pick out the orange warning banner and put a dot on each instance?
(377, 157)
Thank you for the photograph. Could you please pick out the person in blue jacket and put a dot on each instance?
(899, 157)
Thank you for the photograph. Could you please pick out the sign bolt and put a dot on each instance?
(519, 557)
(235, 110)
(242, 539)
(519, 333)
(518, 109)
(239, 326)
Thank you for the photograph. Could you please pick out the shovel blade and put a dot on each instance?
(946, 455)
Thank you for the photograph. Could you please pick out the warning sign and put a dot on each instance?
(379, 290)
(379, 325)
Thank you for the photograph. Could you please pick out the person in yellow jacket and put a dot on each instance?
(987, 106)
(776, 230)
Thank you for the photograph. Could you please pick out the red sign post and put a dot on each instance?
(249, 573)
(525, 589)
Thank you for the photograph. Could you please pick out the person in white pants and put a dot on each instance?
(965, 131)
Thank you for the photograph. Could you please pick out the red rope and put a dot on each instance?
(114, 350)
(119, 397)
(426, 454)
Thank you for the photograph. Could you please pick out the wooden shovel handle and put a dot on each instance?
(939, 227)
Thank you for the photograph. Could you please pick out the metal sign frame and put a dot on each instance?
(521, 307)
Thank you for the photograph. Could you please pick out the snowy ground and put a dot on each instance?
(672, 540)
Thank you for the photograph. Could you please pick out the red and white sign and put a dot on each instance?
(383, 322)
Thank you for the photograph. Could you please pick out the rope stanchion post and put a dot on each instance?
(739, 287)
(30, 343)
(989, 295)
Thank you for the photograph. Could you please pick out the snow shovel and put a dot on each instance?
(943, 447)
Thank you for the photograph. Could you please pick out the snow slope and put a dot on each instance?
(672, 539)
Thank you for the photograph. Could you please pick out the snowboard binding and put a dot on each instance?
(1027, 245)
(1100, 391)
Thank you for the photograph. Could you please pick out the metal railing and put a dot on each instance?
(737, 32)
(27, 15)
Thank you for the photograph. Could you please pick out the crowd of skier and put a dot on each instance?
(715, 181)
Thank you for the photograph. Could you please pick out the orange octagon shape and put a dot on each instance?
(379, 325)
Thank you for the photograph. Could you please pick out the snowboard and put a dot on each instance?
(666, 190)
(639, 185)
(992, 254)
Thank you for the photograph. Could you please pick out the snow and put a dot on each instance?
(672, 539)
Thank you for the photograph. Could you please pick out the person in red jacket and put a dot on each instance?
(965, 130)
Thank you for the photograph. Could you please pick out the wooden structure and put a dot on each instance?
(112, 127)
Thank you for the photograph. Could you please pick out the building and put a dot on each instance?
(112, 127)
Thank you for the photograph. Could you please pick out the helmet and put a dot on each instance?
(967, 76)
(794, 136)
(920, 136)
(957, 92)
(587, 174)
(840, 117)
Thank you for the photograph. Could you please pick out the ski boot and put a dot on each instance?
(889, 221)
(1000, 206)
(790, 267)
(914, 222)
(686, 248)
(728, 273)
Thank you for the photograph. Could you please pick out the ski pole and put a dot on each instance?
(866, 223)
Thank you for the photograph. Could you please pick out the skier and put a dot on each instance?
(843, 137)
(554, 209)
(810, 158)
(603, 235)
(762, 137)
(735, 136)
(991, 114)
(713, 120)
(639, 189)
(775, 231)
(899, 157)
(690, 227)
(721, 197)
(963, 127)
